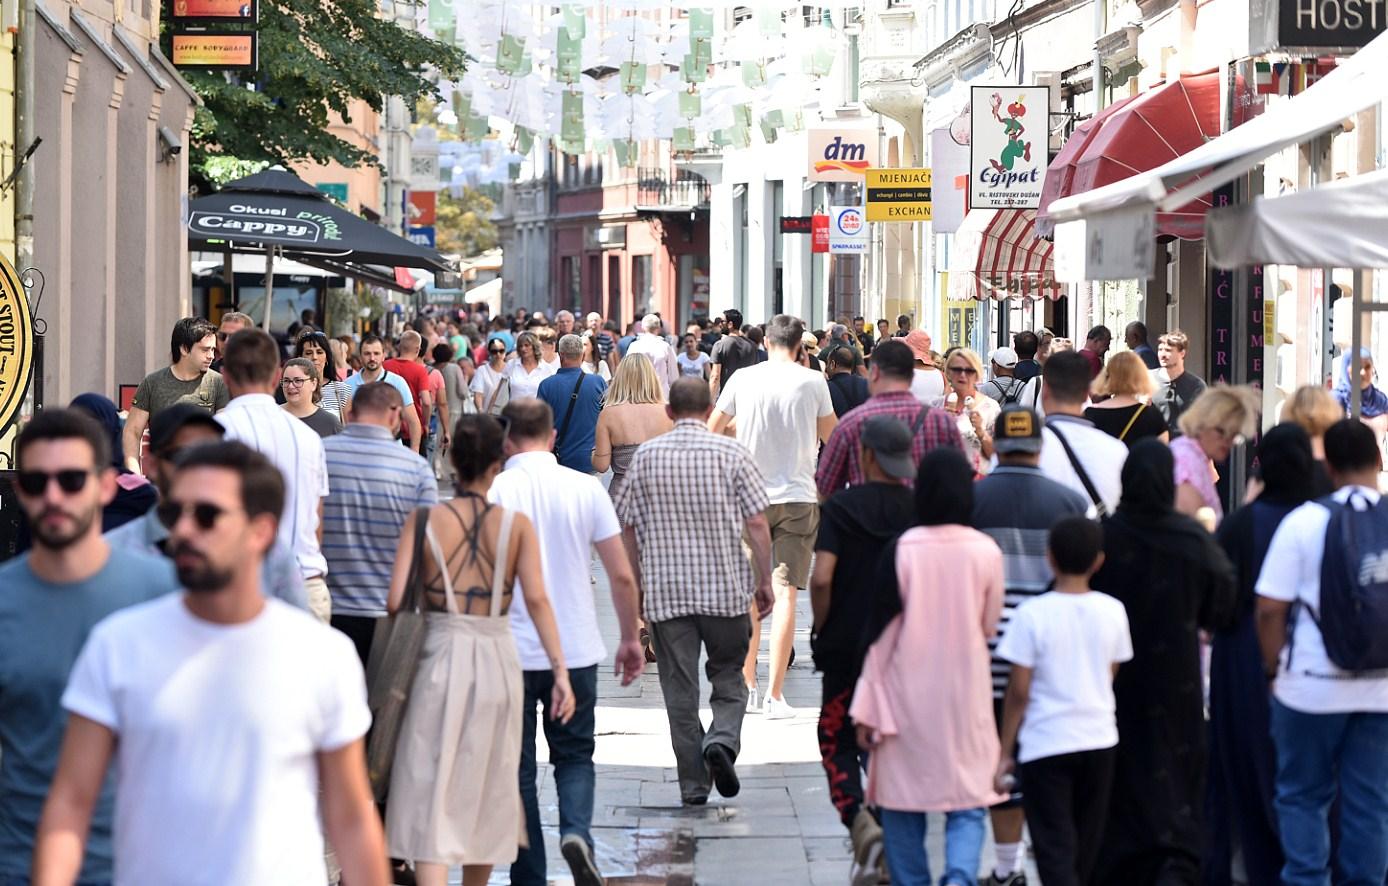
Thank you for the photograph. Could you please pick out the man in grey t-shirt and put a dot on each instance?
(733, 351)
(189, 378)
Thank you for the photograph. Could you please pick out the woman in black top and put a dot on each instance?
(1122, 414)
(300, 383)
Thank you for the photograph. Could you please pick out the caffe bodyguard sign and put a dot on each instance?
(1009, 136)
(265, 225)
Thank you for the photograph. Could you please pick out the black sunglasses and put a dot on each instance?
(496, 350)
(205, 515)
(36, 482)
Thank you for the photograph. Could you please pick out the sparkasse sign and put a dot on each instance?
(847, 230)
(841, 155)
(898, 195)
(1008, 146)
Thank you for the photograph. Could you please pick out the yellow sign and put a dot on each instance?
(16, 343)
(222, 50)
(898, 195)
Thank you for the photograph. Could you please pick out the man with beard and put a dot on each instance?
(226, 726)
(373, 357)
(52, 597)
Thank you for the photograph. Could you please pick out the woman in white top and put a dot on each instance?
(928, 385)
(694, 363)
(591, 364)
(490, 376)
(549, 348)
(527, 371)
(976, 412)
(335, 395)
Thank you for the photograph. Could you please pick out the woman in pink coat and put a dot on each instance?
(923, 705)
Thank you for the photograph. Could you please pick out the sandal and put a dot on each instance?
(646, 646)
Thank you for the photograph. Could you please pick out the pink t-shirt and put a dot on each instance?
(1193, 466)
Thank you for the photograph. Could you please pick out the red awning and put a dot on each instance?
(997, 255)
(1143, 133)
(1060, 175)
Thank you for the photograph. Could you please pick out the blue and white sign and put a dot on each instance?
(847, 230)
(422, 236)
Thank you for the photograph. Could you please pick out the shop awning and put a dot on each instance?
(1356, 84)
(1342, 224)
(1143, 133)
(1060, 175)
(997, 255)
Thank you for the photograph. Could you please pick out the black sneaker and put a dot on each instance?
(1017, 879)
(720, 766)
(580, 858)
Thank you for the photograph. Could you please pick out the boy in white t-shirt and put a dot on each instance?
(1065, 647)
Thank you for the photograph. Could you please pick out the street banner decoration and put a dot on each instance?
(847, 230)
(899, 195)
(1008, 146)
(16, 343)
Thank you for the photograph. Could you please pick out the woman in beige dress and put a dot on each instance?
(454, 796)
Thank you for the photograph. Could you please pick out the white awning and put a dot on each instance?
(1343, 224)
(1357, 83)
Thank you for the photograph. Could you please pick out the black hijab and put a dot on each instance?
(1148, 505)
(1287, 467)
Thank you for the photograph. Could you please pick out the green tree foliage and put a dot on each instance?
(316, 57)
(463, 225)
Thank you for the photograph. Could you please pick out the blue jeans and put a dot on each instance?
(571, 754)
(903, 840)
(1316, 754)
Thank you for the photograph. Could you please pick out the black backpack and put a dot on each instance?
(1353, 616)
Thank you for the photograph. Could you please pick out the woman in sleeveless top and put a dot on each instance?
(454, 797)
(633, 412)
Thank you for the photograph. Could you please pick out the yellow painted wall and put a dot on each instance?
(7, 146)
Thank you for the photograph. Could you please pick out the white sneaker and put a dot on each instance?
(777, 709)
(753, 700)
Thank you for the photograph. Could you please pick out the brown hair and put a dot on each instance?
(251, 357)
(1176, 340)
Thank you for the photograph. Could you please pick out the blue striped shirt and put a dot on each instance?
(376, 484)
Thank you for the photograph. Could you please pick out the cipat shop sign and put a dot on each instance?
(264, 225)
(16, 343)
(847, 230)
(841, 155)
(1009, 134)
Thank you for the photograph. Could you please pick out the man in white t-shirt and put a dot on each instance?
(1092, 455)
(1065, 647)
(573, 516)
(224, 712)
(783, 411)
(1330, 726)
(650, 344)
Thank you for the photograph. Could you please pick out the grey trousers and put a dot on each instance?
(677, 643)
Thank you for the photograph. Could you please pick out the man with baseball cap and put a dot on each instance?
(171, 431)
(855, 527)
(1003, 387)
(1016, 505)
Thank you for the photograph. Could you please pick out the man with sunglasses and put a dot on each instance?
(224, 712)
(171, 432)
(232, 323)
(53, 595)
(189, 378)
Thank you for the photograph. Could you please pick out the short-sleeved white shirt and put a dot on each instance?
(1071, 642)
(571, 512)
(1292, 573)
(1101, 455)
(526, 384)
(484, 382)
(777, 405)
(297, 450)
(218, 729)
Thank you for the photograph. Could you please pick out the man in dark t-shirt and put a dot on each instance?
(733, 352)
(1175, 389)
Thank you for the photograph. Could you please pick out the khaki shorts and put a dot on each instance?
(794, 526)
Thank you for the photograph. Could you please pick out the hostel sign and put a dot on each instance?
(1330, 23)
(1008, 146)
(898, 195)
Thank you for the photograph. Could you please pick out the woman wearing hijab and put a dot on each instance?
(933, 741)
(1242, 758)
(1173, 580)
(134, 494)
(1373, 409)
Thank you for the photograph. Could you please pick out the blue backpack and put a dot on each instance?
(1353, 616)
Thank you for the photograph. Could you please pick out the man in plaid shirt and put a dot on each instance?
(699, 594)
(889, 380)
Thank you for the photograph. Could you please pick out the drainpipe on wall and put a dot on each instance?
(24, 136)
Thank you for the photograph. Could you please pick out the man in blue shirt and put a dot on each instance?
(53, 595)
(576, 398)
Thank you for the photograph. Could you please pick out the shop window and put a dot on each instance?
(594, 283)
(641, 284)
(570, 274)
(614, 286)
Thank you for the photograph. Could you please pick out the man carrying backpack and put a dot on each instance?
(1326, 574)
(1003, 386)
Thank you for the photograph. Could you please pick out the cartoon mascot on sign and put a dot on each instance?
(1012, 125)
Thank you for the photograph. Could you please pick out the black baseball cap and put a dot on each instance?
(890, 441)
(165, 424)
(1018, 429)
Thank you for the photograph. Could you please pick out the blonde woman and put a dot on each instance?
(528, 369)
(1218, 420)
(975, 411)
(1127, 414)
(1314, 409)
(633, 412)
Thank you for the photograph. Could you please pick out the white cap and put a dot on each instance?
(1005, 357)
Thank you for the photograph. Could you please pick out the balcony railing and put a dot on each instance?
(657, 189)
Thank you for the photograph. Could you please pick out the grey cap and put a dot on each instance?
(890, 441)
(1018, 429)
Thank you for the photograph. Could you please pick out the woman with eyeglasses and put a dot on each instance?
(299, 383)
(1219, 419)
(975, 411)
(333, 395)
(454, 796)
(489, 384)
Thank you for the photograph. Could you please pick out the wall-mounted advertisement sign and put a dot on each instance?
(899, 195)
(797, 224)
(215, 11)
(841, 155)
(1008, 146)
(215, 51)
(847, 230)
(1325, 24)
(16, 343)
(819, 233)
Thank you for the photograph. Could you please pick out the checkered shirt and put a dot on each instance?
(688, 494)
(838, 463)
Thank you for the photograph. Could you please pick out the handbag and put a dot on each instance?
(498, 402)
(395, 651)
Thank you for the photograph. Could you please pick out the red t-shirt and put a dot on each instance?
(416, 375)
(1096, 363)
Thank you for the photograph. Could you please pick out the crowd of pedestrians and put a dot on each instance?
(1030, 608)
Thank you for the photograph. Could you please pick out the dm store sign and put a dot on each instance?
(1008, 146)
(841, 155)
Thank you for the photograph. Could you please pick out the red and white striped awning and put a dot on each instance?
(996, 255)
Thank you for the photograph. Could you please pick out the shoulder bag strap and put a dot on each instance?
(1129, 426)
(413, 599)
(499, 566)
(568, 413)
(918, 421)
(1099, 507)
(496, 391)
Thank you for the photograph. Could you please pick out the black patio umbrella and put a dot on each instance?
(276, 213)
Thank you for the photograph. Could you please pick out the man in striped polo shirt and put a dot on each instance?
(376, 484)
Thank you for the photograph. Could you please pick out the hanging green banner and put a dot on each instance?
(568, 57)
(740, 136)
(818, 62)
(701, 24)
(633, 76)
(626, 152)
(753, 74)
(702, 52)
(441, 15)
(684, 139)
(691, 71)
(525, 140)
(575, 20)
(571, 127)
(510, 54)
(691, 104)
(742, 116)
(768, 132)
(462, 104)
(477, 128)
